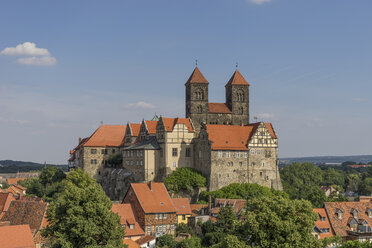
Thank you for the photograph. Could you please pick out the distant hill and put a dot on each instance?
(11, 166)
(327, 159)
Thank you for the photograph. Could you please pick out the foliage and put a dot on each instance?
(184, 179)
(166, 241)
(226, 220)
(183, 228)
(4, 185)
(213, 238)
(81, 215)
(47, 185)
(115, 159)
(335, 240)
(192, 242)
(231, 241)
(241, 191)
(10, 166)
(278, 222)
(355, 244)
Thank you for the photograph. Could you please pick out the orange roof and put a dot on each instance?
(271, 130)
(237, 79)
(216, 107)
(19, 187)
(5, 199)
(145, 240)
(197, 77)
(153, 197)
(127, 216)
(182, 205)
(323, 224)
(196, 209)
(169, 123)
(16, 236)
(151, 126)
(14, 180)
(135, 128)
(228, 137)
(131, 243)
(107, 135)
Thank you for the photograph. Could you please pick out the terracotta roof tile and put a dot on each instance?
(270, 128)
(215, 107)
(26, 212)
(135, 127)
(16, 236)
(151, 126)
(153, 197)
(236, 204)
(127, 216)
(169, 123)
(5, 199)
(106, 135)
(197, 77)
(237, 79)
(145, 240)
(182, 205)
(323, 224)
(196, 209)
(130, 243)
(11, 181)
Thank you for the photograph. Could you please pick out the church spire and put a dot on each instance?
(237, 79)
(197, 77)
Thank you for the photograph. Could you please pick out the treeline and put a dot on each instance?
(11, 166)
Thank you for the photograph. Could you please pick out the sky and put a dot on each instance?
(67, 66)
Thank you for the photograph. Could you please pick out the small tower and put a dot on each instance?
(197, 98)
(237, 98)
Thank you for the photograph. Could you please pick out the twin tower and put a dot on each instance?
(235, 111)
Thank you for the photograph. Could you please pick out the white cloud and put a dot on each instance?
(140, 104)
(25, 49)
(265, 116)
(39, 61)
(258, 2)
(31, 55)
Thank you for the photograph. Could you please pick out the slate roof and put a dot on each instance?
(26, 212)
(215, 107)
(197, 77)
(237, 79)
(182, 205)
(16, 236)
(148, 143)
(153, 197)
(106, 135)
(127, 217)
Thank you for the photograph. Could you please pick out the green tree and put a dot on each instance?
(355, 244)
(278, 222)
(81, 215)
(4, 185)
(184, 179)
(192, 242)
(115, 159)
(366, 186)
(231, 241)
(226, 220)
(333, 177)
(166, 241)
(183, 228)
(353, 181)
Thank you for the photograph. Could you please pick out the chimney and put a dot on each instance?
(150, 185)
(79, 140)
(209, 204)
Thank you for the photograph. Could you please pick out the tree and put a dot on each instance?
(183, 228)
(355, 244)
(81, 215)
(231, 241)
(278, 222)
(192, 242)
(226, 220)
(366, 186)
(115, 159)
(184, 179)
(166, 241)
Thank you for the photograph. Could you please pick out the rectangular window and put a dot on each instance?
(187, 164)
(220, 154)
(323, 219)
(93, 151)
(174, 152)
(237, 155)
(252, 152)
(103, 151)
(240, 164)
(148, 229)
(141, 162)
(131, 226)
(246, 154)
(188, 152)
(227, 154)
(137, 162)
(156, 216)
(258, 152)
(183, 217)
(200, 154)
(93, 161)
(174, 164)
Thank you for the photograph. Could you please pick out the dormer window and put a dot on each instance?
(339, 213)
(355, 213)
(131, 226)
(323, 219)
(369, 213)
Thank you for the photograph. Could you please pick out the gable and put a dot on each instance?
(263, 136)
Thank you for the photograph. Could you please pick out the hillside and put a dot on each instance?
(11, 166)
(328, 159)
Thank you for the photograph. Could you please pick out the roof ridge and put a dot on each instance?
(197, 77)
(237, 79)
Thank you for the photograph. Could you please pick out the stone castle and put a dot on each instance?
(216, 139)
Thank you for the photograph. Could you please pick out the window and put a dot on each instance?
(252, 152)
(227, 154)
(174, 152)
(174, 164)
(173, 227)
(138, 154)
(259, 152)
(237, 155)
(246, 154)
(200, 109)
(141, 162)
(156, 216)
(240, 110)
(187, 164)
(253, 163)
(261, 173)
(240, 164)
(131, 162)
(188, 152)
(220, 154)
(131, 226)
(93, 161)
(200, 154)
(324, 230)
(137, 162)
(93, 151)
(263, 163)
(183, 217)
(103, 151)
(323, 219)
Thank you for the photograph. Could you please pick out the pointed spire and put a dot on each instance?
(237, 79)
(197, 77)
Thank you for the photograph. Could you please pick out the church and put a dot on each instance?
(216, 139)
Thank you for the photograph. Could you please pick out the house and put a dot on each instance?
(322, 228)
(350, 220)
(17, 189)
(12, 181)
(147, 242)
(32, 213)
(5, 199)
(16, 236)
(128, 219)
(357, 166)
(130, 243)
(183, 209)
(236, 204)
(153, 207)
(329, 190)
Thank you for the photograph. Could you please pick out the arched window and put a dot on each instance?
(199, 95)
(240, 110)
(200, 109)
(240, 96)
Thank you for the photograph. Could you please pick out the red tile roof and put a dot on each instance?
(26, 212)
(145, 240)
(151, 126)
(130, 243)
(11, 181)
(127, 217)
(196, 209)
(236, 204)
(323, 224)
(215, 107)
(5, 199)
(197, 77)
(237, 79)
(169, 123)
(135, 128)
(270, 128)
(106, 135)
(340, 226)
(153, 197)
(16, 236)
(182, 205)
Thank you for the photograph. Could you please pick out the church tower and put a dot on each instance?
(237, 99)
(197, 98)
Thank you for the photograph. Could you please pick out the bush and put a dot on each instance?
(185, 179)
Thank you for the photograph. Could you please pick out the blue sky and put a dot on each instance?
(308, 62)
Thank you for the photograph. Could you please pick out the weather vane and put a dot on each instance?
(237, 64)
(196, 62)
